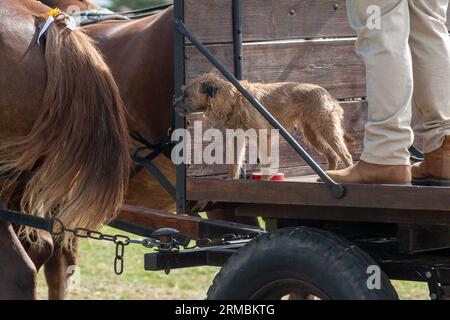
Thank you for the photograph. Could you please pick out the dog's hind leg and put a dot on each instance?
(318, 143)
(335, 137)
(332, 132)
(337, 143)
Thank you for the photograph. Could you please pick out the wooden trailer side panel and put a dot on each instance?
(269, 20)
(284, 40)
(332, 64)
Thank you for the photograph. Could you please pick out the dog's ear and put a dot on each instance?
(209, 89)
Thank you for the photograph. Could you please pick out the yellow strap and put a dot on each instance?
(54, 13)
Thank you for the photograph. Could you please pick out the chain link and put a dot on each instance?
(121, 241)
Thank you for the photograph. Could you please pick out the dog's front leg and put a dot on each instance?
(234, 169)
(265, 157)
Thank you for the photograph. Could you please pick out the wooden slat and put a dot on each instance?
(190, 226)
(290, 161)
(331, 64)
(153, 219)
(211, 20)
(343, 214)
(318, 194)
(268, 20)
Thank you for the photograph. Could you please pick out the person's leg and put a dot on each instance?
(383, 28)
(430, 47)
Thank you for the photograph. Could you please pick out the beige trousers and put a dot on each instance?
(406, 48)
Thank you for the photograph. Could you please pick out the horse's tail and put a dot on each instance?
(78, 146)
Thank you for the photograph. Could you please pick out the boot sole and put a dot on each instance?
(431, 182)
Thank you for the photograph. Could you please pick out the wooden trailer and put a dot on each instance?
(323, 239)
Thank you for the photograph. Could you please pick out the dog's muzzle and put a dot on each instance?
(182, 108)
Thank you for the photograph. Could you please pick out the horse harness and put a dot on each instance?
(93, 16)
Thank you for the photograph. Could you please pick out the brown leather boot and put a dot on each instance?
(368, 173)
(435, 169)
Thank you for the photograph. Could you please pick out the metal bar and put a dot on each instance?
(131, 228)
(210, 256)
(337, 190)
(144, 231)
(179, 121)
(237, 40)
(166, 184)
(146, 10)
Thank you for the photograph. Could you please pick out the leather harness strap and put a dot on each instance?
(146, 161)
(27, 220)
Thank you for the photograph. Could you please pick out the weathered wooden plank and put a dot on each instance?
(331, 64)
(318, 194)
(190, 226)
(211, 20)
(153, 219)
(374, 215)
(268, 20)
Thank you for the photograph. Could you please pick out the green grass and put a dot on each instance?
(97, 280)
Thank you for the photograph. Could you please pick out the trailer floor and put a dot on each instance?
(303, 197)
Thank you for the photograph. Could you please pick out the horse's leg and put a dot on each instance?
(57, 270)
(18, 274)
(41, 251)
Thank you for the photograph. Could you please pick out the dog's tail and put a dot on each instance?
(347, 136)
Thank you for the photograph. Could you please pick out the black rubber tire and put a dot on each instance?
(322, 260)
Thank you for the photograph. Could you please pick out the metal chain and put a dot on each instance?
(121, 241)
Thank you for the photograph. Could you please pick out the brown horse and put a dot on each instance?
(140, 54)
(66, 4)
(61, 116)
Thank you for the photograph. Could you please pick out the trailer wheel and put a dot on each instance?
(299, 264)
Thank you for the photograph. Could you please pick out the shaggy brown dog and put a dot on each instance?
(295, 105)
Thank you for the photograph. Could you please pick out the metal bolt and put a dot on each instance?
(428, 274)
(336, 6)
(292, 12)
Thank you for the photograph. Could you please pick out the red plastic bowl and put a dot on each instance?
(275, 177)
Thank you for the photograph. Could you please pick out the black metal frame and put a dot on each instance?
(237, 40)
(434, 270)
(179, 121)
